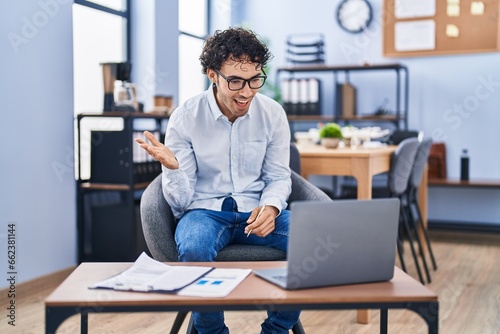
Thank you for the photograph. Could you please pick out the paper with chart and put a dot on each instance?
(217, 283)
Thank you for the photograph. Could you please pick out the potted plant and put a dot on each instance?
(331, 135)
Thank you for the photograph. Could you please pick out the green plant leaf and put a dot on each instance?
(331, 130)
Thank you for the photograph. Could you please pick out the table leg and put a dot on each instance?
(364, 192)
(364, 185)
(363, 317)
(429, 313)
(384, 317)
(55, 316)
(84, 323)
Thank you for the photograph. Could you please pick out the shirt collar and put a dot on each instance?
(214, 107)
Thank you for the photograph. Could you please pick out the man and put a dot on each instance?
(225, 163)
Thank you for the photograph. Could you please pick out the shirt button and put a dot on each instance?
(234, 157)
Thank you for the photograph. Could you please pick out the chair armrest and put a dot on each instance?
(158, 223)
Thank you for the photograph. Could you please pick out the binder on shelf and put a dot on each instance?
(346, 100)
(301, 96)
(314, 101)
(293, 102)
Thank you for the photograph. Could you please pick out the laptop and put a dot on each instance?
(337, 243)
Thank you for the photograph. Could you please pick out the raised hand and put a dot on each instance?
(158, 151)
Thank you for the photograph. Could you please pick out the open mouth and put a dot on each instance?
(241, 103)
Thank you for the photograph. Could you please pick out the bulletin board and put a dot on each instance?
(439, 27)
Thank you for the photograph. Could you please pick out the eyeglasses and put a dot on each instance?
(238, 83)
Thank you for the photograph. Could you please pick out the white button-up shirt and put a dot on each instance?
(247, 159)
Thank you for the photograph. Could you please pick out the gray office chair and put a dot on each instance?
(402, 162)
(415, 215)
(158, 225)
(379, 188)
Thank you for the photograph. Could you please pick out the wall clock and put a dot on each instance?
(354, 16)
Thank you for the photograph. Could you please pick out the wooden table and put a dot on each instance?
(73, 297)
(361, 163)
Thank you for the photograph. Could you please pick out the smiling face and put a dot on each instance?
(234, 104)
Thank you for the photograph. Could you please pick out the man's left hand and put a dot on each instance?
(264, 224)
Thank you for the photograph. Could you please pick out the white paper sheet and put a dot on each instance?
(147, 274)
(404, 9)
(217, 283)
(415, 35)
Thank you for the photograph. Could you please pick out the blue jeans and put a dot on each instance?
(201, 234)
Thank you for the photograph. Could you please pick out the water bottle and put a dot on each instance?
(464, 166)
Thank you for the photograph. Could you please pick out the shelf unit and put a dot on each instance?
(399, 118)
(108, 221)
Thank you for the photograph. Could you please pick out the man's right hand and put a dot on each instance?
(158, 151)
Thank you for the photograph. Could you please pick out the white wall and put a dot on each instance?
(454, 99)
(36, 175)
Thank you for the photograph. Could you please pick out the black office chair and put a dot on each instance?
(402, 162)
(417, 173)
(159, 225)
(397, 136)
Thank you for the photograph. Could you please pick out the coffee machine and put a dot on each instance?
(119, 93)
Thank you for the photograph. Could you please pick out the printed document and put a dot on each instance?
(147, 274)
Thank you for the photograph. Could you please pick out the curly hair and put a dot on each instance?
(236, 44)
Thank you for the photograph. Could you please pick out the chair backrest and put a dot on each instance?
(401, 166)
(294, 158)
(421, 158)
(396, 137)
(158, 223)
